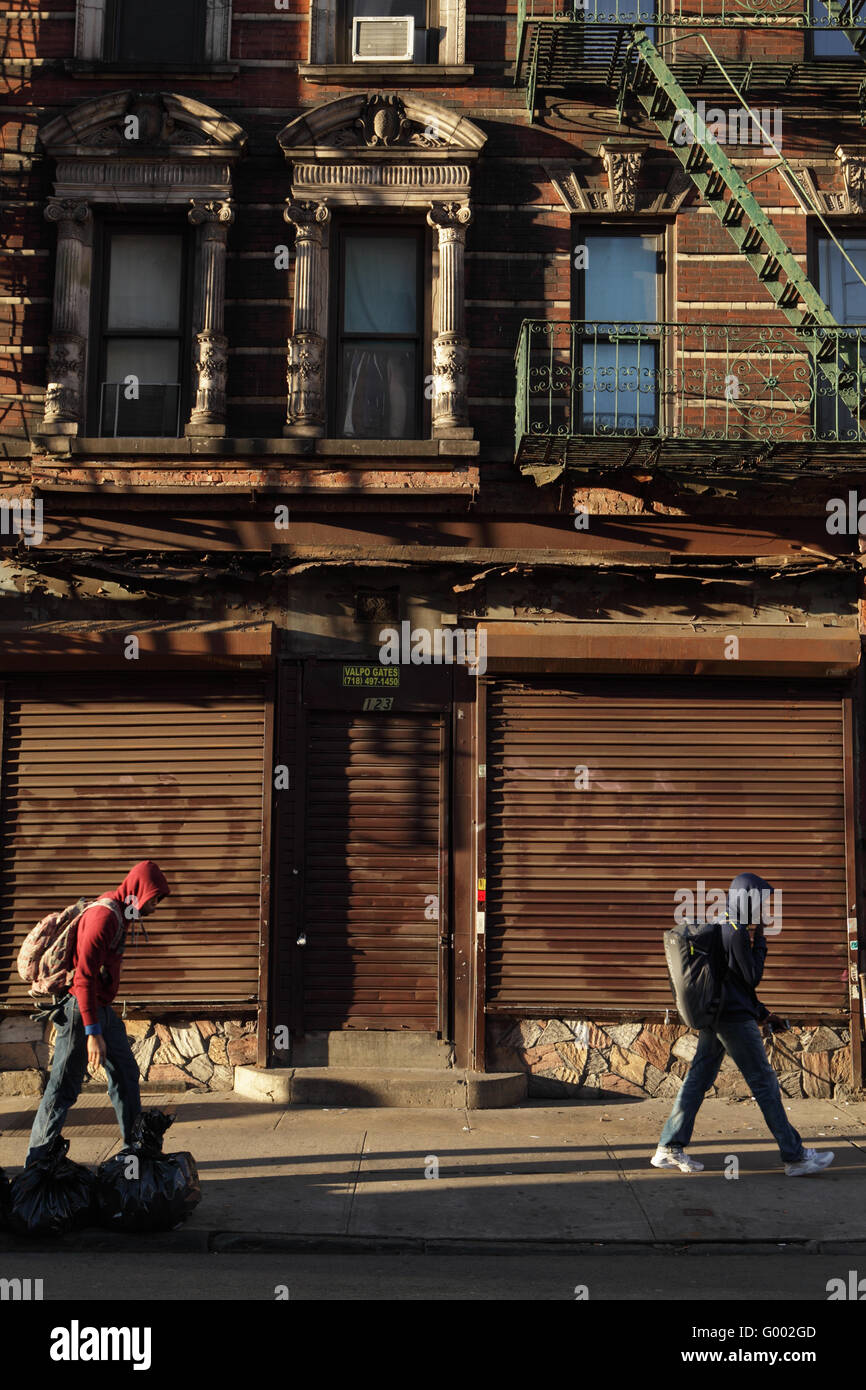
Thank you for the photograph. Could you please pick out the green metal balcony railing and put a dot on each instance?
(708, 14)
(562, 46)
(741, 383)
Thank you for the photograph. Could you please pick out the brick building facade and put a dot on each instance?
(416, 530)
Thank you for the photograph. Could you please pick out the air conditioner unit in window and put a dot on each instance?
(383, 39)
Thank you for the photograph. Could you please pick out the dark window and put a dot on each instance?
(154, 31)
(829, 42)
(619, 345)
(386, 42)
(380, 334)
(141, 357)
(845, 296)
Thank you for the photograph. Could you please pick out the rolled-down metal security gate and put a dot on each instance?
(608, 799)
(100, 772)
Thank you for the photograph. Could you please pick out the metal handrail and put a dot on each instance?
(757, 14)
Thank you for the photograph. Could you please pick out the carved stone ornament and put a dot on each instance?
(306, 216)
(383, 121)
(211, 369)
(622, 167)
(853, 166)
(450, 353)
(68, 210)
(122, 146)
(65, 369)
(849, 170)
(211, 210)
(65, 359)
(580, 187)
(384, 124)
(449, 217)
(305, 382)
(153, 124)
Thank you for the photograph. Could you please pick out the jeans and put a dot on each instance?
(741, 1039)
(68, 1071)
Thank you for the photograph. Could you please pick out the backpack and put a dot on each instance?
(697, 968)
(45, 958)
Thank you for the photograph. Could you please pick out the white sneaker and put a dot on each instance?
(811, 1162)
(675, 1157)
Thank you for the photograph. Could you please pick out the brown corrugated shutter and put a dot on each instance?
(683, 786)
(373, 828)
(101, 772)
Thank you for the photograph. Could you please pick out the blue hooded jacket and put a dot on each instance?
(744, 957)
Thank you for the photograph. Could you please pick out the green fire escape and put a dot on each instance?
(580, 50)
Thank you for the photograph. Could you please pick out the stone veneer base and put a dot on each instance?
(577, 1057)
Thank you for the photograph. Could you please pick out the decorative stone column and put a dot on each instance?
(451, 346)
(67, 344)
(211, 363)
(306, 347)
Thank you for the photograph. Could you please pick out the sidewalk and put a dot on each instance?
(535, 1177)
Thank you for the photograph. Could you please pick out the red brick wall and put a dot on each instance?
(519, 244)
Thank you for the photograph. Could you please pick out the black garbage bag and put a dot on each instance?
(53, 1195)
(143, 1189)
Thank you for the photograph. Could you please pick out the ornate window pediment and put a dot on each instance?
(622, 178)
(128, 144)
(138, 150)
(373, 151)
(381, 148)
(847, 195)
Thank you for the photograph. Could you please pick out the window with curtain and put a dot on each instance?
(141, 354)
(619, 349)
(155, 31)
(375, 41)
(844, 293)
(380, 336)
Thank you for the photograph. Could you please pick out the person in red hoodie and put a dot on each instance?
(89, 1032)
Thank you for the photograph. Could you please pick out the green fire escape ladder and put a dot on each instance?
(743, 218)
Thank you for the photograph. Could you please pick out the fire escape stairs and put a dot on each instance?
(652, 83)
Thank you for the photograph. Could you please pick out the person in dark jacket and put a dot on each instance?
(737, 1032)
(88, 1031)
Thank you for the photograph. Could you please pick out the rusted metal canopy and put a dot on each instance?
(161, 646)
(665, 649)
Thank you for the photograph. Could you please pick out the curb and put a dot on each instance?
(193, 1242)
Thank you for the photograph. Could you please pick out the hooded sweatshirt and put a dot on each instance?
(96, 966)
(745, 957)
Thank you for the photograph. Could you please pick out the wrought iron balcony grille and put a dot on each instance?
(706, 14)
(702, 383)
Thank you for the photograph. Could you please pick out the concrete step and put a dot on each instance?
(354, 1048)
(363, 1087)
